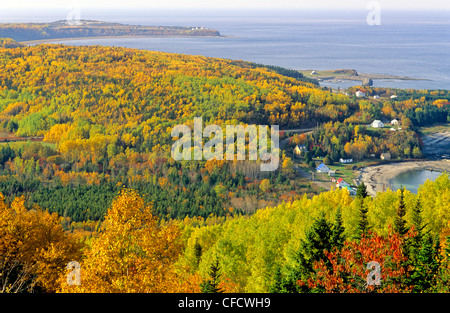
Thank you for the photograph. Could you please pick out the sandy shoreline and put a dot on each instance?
(377, 178)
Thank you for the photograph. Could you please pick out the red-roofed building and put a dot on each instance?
(341, 183)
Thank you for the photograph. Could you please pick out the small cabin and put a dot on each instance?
(385, 156)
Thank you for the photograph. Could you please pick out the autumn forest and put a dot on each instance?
(86, 175)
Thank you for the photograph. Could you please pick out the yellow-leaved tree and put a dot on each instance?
(34, 248)
(133, 253)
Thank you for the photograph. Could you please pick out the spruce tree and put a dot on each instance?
(211, 285)
(277, 284)
(400, 222)
(427, 265)
(363, 223)
(417, 223)
(337, 231)
(197, 252)
(401, 229)
(361, 192)
(318, 239)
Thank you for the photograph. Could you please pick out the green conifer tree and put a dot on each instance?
(400, 222)
(197, 252)
(211, 285)
(427, 265)
(363, 223)
(318, 239)
(337, 231)
(361, 191)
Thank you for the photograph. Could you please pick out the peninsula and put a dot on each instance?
(351, 75)
(90, 28)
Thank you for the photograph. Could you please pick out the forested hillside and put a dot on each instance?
(105, 116)
(86, 174)
(97, 118)
(89, 28)
(318, 244)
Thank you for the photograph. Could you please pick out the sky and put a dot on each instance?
(229, 4)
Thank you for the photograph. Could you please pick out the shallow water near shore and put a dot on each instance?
(412, 179)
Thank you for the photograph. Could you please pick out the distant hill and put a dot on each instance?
(106, 85)
(90, 28)
(106, 116)
(9, 43)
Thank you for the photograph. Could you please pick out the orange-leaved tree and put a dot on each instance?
(133, 253)
(34, 248)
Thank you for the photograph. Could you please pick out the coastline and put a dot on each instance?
(349, 75)
(53, 40)
(377, 178)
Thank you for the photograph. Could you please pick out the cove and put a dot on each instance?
(412, 179)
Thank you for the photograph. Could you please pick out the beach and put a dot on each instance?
(377, 178)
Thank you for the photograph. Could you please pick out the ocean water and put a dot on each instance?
(412, 179)
(413, 44)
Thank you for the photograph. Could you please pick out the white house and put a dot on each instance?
(322, 168)
(360, 94)
(377, 124)
(340, 183)
(313, 73)
(376, 97)
(385, 156)
(394, 122)
(393, 96)
(344, 161)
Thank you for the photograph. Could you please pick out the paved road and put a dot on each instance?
(297, 130)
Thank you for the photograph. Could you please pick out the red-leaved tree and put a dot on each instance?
(346, 270)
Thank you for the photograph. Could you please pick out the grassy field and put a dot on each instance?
(347, 172)
(335, 74)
